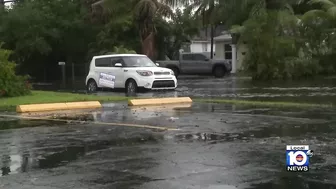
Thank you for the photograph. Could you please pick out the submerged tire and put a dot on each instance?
(91, 86)
(176, 71)
(219, 71)
(131, 87)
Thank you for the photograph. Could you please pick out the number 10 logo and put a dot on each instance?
(298, 157)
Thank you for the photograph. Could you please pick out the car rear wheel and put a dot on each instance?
(131, 87)
(219, 71)
(92, 86)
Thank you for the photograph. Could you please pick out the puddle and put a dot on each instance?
(46, 154)
(294, 182)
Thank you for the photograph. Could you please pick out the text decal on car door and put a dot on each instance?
(106, 80)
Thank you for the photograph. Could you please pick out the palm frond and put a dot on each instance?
(115, 8)
(165, 11)
(145, 8)
(326, 4)
(289, 8)
(313, 14)
(332, 11)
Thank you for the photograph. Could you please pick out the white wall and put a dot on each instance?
(220, 50)
(241, 48)
(201, 47)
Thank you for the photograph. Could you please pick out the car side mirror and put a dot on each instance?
(118, 65)
(157, 64)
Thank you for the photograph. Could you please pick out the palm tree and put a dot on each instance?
(328, 9)
(214, 12)
(144, 13)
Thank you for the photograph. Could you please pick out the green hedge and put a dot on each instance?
(11, 84)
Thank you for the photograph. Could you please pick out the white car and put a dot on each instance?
(129, 71)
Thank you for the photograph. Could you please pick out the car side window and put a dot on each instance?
(187, 57)
(199, 57)
(103, 62)
(115, 60)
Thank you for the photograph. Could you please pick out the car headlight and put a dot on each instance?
(172, 73)
(144, 73)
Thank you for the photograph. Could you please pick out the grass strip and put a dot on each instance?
(40, 97)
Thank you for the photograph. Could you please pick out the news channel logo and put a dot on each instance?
(298, 158)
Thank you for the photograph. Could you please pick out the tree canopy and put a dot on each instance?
(286, 39)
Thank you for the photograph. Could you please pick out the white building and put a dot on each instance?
(201, 46)
(222, 47)
(202, 42)
(228, 51)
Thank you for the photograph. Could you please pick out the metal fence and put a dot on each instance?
(69, 76)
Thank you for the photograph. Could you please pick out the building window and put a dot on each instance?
(227, 52)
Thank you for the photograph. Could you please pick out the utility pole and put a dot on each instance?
(212, 41)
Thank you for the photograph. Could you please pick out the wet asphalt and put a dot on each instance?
(217, 146)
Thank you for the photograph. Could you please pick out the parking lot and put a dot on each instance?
(217, 145)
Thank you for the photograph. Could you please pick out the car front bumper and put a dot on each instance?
(158, 83)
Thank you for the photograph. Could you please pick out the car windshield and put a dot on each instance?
(138, 61)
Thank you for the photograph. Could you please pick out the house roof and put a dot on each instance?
(223, 37)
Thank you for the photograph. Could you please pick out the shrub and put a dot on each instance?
(11, 84)
(276, 48)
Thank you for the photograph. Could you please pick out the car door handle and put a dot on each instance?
(125, 70)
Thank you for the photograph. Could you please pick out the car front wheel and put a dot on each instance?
(131, 87)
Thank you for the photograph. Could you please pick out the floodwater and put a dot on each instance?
(312, 91)
(217, 146)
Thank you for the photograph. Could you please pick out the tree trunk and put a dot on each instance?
(148, 46)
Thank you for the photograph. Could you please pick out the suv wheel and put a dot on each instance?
(176, 71)
(131, 87)
(92, 86)
(219, 71)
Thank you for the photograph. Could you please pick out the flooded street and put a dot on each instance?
(313, 91)
(218, 146)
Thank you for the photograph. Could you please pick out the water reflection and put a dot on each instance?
(43, 148)
(143, 114)
(5, 168)
(292, 182)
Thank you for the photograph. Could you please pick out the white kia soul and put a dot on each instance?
(129, 71)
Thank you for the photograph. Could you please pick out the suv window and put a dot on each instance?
(187, 57)
(103, 62)
(200, 57)
(115, 60)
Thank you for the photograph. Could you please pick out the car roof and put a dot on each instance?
(117, 55)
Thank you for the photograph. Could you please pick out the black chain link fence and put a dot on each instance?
(75, 75)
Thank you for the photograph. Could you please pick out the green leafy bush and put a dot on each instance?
(11, 84)
(276, 48)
